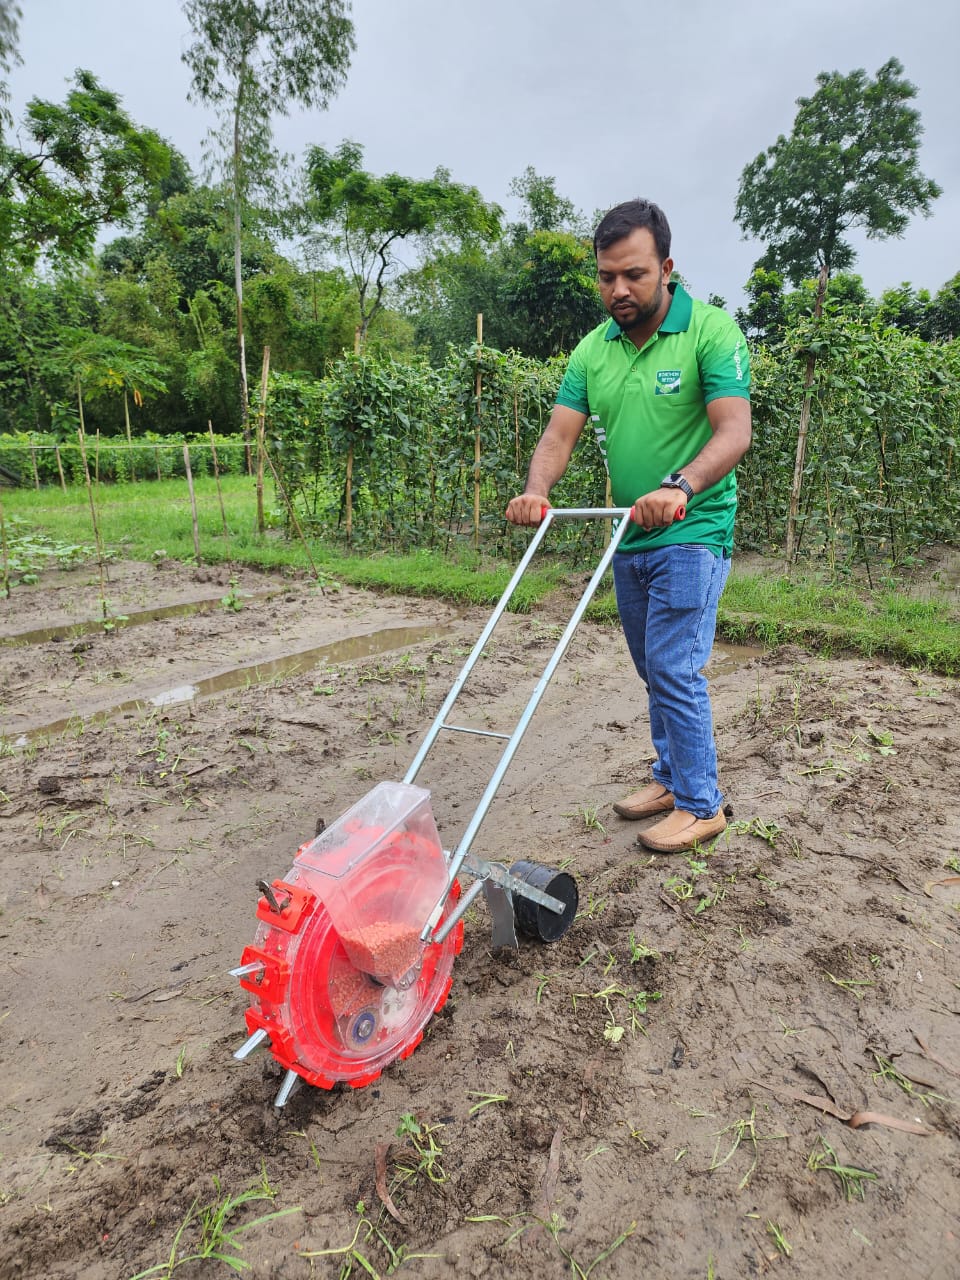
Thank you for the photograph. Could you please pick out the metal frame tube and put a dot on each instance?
(573, 513)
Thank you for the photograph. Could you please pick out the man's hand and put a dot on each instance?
(527, 508)
(660, 508)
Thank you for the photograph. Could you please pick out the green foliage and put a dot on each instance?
(883, 439)
(554, 290)
(250, 59)
(363, 218)
(850, 162)
(407, 433)
(32, 455)
(536, 288)
(268, 53)
(10, 15)
(84, 165)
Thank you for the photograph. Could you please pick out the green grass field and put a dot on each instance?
(149, 521)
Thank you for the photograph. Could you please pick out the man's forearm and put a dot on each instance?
(547, 466)
(729, 442)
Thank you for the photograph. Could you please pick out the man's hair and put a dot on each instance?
(624, 218)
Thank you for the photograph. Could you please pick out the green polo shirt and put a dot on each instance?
(651, 405)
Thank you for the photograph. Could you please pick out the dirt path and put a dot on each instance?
(661, 1093)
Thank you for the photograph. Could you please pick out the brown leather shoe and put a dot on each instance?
(651, 799)
(681, 830)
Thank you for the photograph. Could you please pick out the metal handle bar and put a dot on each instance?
(552, 513)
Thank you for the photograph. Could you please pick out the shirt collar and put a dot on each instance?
(677, 319)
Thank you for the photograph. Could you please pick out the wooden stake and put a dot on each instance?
(349, 492)
(790, 550)
(216, 472)
(193, 502)
(478, 390)
(261, 425)
(126, 418)
(93, 513)
(63, 483)
(293, 516)
(5, 579)
(36, 473)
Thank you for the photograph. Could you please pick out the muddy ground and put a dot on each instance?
(673, 1080)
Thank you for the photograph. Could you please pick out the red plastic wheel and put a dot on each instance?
(327, 1019)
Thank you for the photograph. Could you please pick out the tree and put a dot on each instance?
(364, 218)
(545, 209)
(850, 162)
(85, 165)
(554, 290)
(250, 59)
(536, 288)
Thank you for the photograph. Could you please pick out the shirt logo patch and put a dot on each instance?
(668, 382)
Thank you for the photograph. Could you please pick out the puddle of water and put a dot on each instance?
(349, 650)
(90, 626)
(726, 658)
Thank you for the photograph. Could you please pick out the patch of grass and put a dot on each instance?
(742, 1132)
(152, 522)
(553, 1227)
(831, 618)
(215, 1235)
(352, 1254)
(426, 1151)
(852, 1180)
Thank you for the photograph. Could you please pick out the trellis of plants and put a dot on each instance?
(382, 452)
(46, 457)
(878, 479)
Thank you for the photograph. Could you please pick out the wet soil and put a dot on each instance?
(733, 1064)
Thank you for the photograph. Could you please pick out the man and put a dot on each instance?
(668, 378)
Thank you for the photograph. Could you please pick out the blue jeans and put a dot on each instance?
(667, 599)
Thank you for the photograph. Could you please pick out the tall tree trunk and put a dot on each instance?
(238, 279)
(790, 550)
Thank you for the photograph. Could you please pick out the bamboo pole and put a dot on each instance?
(93, 514)
(349, 493)
(126, 419)
(216, 473)
(156, 458)
(36, 473)
(293, 516)
(478, 391)
(5, 579)
(63, 483)
(790, 550)
(193, 502)
(261, 426)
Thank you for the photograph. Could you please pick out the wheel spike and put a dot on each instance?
(290, 1082)
(251, 1043)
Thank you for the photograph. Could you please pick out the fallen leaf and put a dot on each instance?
(168, 995)
(380, 1161)
(855, 1119)
(551, 1176)
(936, 884)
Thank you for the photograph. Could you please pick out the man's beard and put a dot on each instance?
(638, 315)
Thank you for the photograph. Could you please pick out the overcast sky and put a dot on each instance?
(614, 100)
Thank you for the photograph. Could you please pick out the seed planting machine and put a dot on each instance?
(355, 946)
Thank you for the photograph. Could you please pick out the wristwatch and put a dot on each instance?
(677, 480)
